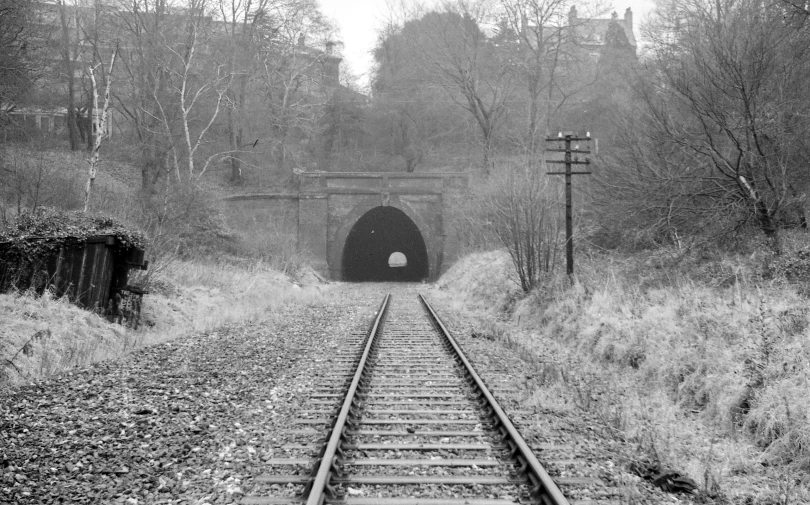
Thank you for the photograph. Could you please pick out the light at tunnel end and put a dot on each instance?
(397, 260)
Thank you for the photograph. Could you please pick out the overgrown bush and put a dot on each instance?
(182, 221)
(523, 211)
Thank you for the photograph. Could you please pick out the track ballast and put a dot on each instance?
(401, 418)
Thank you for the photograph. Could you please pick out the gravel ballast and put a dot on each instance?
(193, 421)
(188, 421)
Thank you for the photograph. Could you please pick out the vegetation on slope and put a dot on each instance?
(201, 274)
(705, 365)
(43, 335)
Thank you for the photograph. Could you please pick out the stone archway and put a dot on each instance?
(379, 234)
(337, 242)
(327, 205)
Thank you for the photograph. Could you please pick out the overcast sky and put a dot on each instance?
(359, 21)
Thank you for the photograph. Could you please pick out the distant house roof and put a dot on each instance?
(592, 31)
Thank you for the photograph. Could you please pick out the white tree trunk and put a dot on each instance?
(99, 127)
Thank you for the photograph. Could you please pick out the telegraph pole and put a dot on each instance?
(569, 137)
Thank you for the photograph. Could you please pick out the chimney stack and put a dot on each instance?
(301, 40)
(572, 16)
(329, 47)
(628, 19)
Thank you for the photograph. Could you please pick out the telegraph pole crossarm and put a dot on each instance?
(569, 137)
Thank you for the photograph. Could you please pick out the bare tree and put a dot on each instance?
(95, 28)
(297, 79)
(720, 134)
(410, 114)
(549, 62)
(197, 83)
(245, 23)
(471, 68)
(69, 49)
(18, 55)
(99, 125)
(144, 24)
(450, 49)
(522, 209)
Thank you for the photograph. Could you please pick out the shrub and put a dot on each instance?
(522, 211)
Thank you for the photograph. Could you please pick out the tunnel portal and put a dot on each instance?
(372, 240)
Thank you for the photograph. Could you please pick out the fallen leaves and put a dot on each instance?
(151, 427)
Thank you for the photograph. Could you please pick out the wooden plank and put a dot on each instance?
(106, 280)
(85, 289)
(89, 294)
(73, 265)
(424, 479)
(454, 462)
(56, 273)
(97, 280)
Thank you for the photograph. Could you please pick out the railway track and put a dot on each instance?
(401, 418)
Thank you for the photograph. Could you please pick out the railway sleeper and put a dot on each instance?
(410, 374)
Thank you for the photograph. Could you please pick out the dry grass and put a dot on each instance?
(43, 335)
(708, 376)
(40, 176)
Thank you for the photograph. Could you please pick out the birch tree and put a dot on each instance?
(198, 83)
(99, 125)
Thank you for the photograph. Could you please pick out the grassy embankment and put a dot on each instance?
(705, 365)
(42, 335)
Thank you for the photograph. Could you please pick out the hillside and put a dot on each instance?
(197, 280)
(706, 377)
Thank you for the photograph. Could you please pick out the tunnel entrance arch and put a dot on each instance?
(327, 205)
(374, 238)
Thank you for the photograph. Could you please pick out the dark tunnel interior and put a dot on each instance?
(376, 235)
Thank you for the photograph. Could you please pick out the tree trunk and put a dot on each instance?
(236, 165)
(768, 226)
(532, 132)
(73, 134)
(487, 152)
(146, 174)
(235, 131)
(153, 165)
(99, 127)
(91, 124)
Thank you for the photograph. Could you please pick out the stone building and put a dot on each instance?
(594, 34)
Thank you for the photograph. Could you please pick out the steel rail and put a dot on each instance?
(316, 492)
(549, 493)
